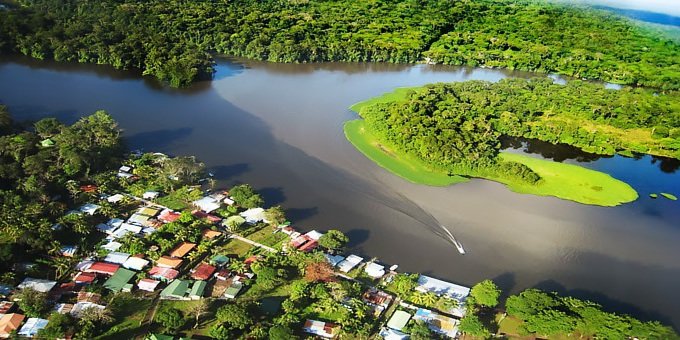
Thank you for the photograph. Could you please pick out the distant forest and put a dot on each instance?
(172, 40)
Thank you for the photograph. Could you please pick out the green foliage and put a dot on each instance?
(32, 302)
(279, 332)
(471, 325)
(485, 293)
(403, 284)
(234, 316)
(245, 196)
(169, 39)
(275, 215)
(58, 325)
(171, 318)
(333, 239)
(420, 331)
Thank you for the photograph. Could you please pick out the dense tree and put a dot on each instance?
(471, 325)
(32, 302)
(234, 315)
(171, 318)
(57, 327)
(485, 293)
(245, 196)
(279, 332)
(333, 240)
(319, 271)
(275, 215)
(420, 331)
(169, 39)
(403, 284)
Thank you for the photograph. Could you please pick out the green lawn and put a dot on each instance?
(571, 182)
(397, 94)
(410, 168)
(130, 312)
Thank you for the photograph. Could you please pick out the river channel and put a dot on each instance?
(279, 128)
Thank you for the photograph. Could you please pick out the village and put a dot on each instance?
(162, 255)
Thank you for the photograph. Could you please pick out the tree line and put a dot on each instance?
(171, 39)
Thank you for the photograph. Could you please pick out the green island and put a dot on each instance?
(171, 40)
(441, 133)
(100, 243)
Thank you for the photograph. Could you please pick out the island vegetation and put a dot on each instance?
(437, 133)
(171, 39)
(61, 199)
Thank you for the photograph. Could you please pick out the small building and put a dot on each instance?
(9, 323)
(197, 290)
(83, 278)
(323, 329)
(438, 323)
(233, 290)
(63, 308)
(150, 195)
(115, 198)
(209, 234)
(377, 299)
(40, 285)
(46, 143)
(391, 334)
(88, 297)
(149, 211)
(105, 228)
(314, 235)
(6, 307)
(81, 306)
(116, 257)
(205, 216)
(333, 259)
(112, 246)
(399, 320)
(442, 288)
(169, 262)
(103, 268)
(349, 263)
(140, 219)
(182, 249)
(32, 326)
(5, 290)
(203, 271)
(163, 273)
(309, 246)
(89, 208)
(125, 168)
(176, 290)
(254, 215)
(89, 188)
(135, 263)
(207, 204)
(220, 260)
(117, 282)
(69, 251)
(84, 264)
(223, 275)
(168, 216)
(374, 270)
(148, 285)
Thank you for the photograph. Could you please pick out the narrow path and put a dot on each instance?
(243, 239)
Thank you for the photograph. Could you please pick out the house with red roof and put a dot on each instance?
(103, 268)
(203, 272)
(168, 216)
(163, 273)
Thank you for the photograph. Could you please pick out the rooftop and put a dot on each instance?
(182, 249)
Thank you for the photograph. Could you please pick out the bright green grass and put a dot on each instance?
(571, 182)
(397, 94)
(669, 196)
(410, 168)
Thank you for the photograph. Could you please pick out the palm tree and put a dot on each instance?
(238, 266)
(418, 298)
(429, 299)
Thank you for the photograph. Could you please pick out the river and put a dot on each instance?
(279, 127)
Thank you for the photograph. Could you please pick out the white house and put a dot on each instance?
(254, 215)
(349, 263)
(207, 204)
(116, 257)
(135, 263)
(150, 195)
(32, 326)
(40, 285)
(374, 270)
(443, 288)
(89, 208)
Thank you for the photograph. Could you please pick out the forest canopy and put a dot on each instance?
(171, 39)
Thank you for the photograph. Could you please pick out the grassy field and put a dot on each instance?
(410, 168)
(397, 94)
(571, 182)
(130, 313)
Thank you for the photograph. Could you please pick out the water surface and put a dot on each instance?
(279, 127)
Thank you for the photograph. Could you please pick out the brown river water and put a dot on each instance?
(279, 128)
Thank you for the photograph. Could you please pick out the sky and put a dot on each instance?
(671, 7)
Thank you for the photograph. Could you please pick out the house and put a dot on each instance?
(197, 290)
(223, 275)
(81, 306)
(10, 323)
(84, 264)
(314, 235)
(438, 323)
(116, 257)
(182, 249)
(150, 195)
(176, 290)
(207, 204)
(442, 288)
(125, 169)
(89, 208)
(105, 228)
(112, 246)
(46, 143)
(135, 263)
(168, 216)
(254, 215)
(5, 290)
(349, 263)
(391, 334)
(233, 290)
(203, 272)
(149, 211)
(88, 188)
(374, 270)
(163, 273)
(115, 198)
(210, 234)
(148, 285)
(205, 216)
(117, 282)
(6, 307)
(140, 219)
(88, 297)
(84, 278)
(399, 320)
(40, 285)
(63, 308)
(323, 329)
(32, 326)
(103, 268)
(219, 260)
(169, 262)
(333, 259)
(377, 299)
(69, 251)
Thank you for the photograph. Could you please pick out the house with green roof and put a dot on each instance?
(176, 290)
(119, 279)
(46, 143)
(219, 260)
(197, 290)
